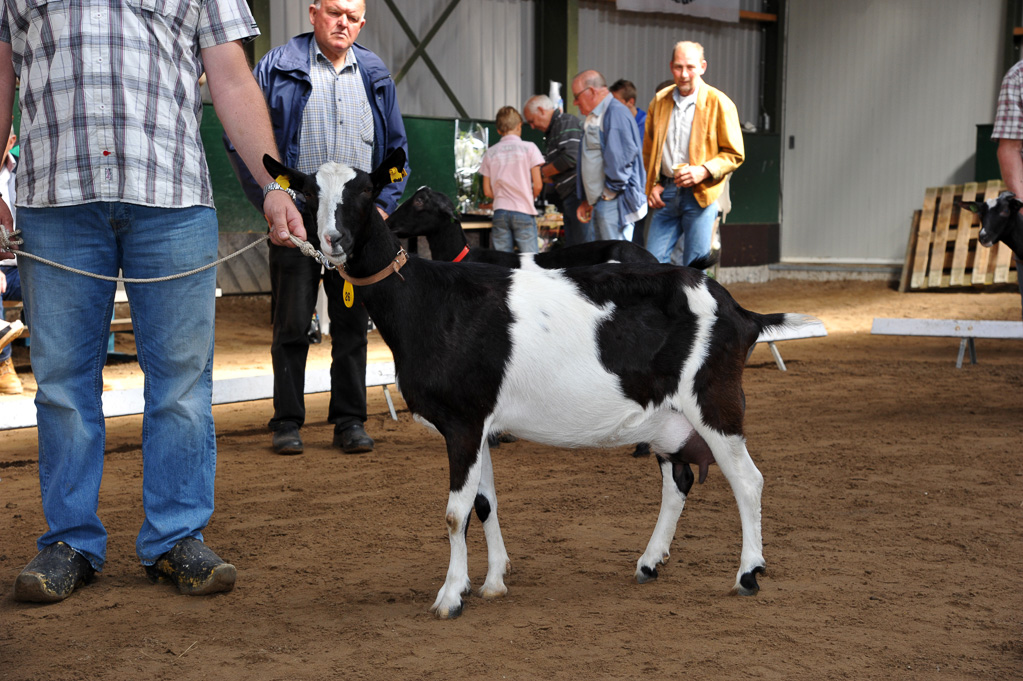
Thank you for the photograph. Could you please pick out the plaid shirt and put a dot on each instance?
(110, 97)
(337, 124)
(1009, 116)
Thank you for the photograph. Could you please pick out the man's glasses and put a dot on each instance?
(575, 98)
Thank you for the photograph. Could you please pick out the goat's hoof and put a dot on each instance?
(493, 591)
(747, 585)
(447, 613)
(646, 574)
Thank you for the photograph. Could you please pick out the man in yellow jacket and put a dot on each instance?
(693, 140)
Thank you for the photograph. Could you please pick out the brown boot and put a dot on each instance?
(10, 384)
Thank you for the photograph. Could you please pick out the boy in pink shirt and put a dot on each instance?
(511, 176)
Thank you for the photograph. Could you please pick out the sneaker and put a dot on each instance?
(353, 440)
(287, 440)
(193, 568)
(52, 575)
(10, 384)
(9, 331)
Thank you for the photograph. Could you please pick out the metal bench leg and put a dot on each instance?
(962, 351)
(973, 352)
(390, 403)
(777, 355)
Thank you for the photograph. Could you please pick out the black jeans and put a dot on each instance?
(294, 281)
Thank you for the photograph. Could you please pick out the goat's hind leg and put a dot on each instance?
(486, 509)
(676, 481)
(747, 484)
(460, 503)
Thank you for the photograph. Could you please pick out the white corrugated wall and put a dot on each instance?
(484, 51)
(637, 46)
(882, 99)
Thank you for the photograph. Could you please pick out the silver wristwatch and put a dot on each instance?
(274, 185)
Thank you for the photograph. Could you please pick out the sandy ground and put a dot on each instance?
(892, 531)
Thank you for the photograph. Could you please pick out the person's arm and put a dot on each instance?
(621, 148)
(537, 181)
(7, 80)
(1010, 162)
(488, 191)
(239, 103)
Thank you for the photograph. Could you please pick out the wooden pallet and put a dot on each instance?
(943, 251)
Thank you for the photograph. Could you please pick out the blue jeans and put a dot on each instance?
(509, 223)
(12, 292)
(69, 315)
(682, 217)
(607, 222)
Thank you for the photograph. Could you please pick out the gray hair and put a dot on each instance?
(538, 102)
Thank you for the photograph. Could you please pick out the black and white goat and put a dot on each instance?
(431, 214)
(1000, 220)
(592, 356)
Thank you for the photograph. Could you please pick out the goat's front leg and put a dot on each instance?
(486, 509)
(466, 466)
(676, 481)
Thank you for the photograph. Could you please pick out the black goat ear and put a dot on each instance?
(391, 170)
(285, 176)
(1015, 204)
(972, 206)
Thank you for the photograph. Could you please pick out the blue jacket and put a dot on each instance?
(283, 76)
(622, 152)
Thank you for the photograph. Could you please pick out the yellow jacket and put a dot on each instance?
(715, 141)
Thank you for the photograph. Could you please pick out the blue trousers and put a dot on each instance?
(681, 218)
(69, 315)
(12, 292)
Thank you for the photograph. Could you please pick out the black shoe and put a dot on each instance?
(52, 575)
(353, 440)
(287, 440)
(193, 568)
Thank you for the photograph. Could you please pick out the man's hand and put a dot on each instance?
(548, 171)
(3, 283)
(6, 224)
(584, 212)
(654, 200)
(283, 218)
(690, 176)
(383, 213)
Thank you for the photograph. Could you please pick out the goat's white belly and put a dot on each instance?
(555, 388)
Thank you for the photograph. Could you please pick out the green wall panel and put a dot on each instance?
(986, 161)
(756, 185)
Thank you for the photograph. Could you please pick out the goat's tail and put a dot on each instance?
(786, 326)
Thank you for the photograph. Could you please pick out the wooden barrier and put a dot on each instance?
(943, 250)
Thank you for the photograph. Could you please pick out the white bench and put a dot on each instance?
(776, 334)
(21, 413)
(965, 329)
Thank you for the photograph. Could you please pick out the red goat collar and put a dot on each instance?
(465, 252)
(392, 268)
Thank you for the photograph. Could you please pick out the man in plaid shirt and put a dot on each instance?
(1008, 130)
(114, 177)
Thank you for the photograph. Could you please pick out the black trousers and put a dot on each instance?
(294, 282)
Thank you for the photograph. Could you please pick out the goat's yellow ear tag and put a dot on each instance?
(396, 174)
(283, 181)
(348, 294)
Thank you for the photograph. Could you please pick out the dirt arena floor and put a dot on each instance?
(892, 528)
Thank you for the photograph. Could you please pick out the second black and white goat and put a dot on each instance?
(593, 356)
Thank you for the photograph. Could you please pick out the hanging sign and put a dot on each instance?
(719, 10)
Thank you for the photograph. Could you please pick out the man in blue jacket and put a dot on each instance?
(611, 178)
(330, 99)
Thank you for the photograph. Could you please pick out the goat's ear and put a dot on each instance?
(1015, 204)
(972, 206)
(391, 170)
(288, 177)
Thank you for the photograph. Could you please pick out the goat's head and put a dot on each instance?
(423, 214)
(340, 198)
(996, 216)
